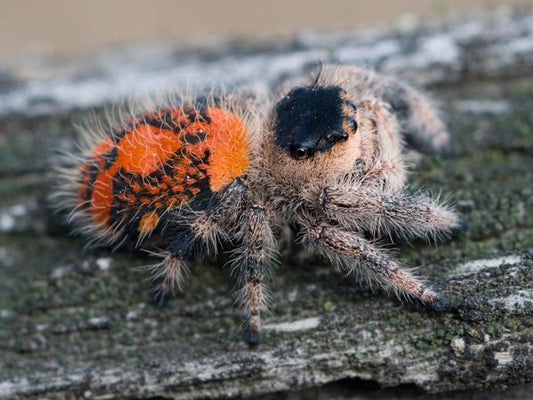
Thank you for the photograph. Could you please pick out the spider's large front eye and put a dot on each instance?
(301, 152)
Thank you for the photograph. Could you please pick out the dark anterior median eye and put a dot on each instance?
(300, 153)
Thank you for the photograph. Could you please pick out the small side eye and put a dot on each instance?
(336, 137)
(352, 105)
(352, 123)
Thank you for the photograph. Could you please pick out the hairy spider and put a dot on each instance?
(325, 155)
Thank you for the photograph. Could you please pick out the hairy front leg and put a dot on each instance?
(251, 262)
(383, 212)
(357, 255)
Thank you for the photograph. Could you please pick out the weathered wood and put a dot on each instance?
(77, 322)
(431, 54)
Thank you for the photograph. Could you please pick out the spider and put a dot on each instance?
(325, 154)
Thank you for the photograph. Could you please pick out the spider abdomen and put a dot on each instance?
(157, 162)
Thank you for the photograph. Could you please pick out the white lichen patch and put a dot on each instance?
(103, 263)
(7, 388)
(516, 300)
(458, 345)
(515, 48)
(368, 54)
(439, 49)
(475, 106)
(9, 215)
(421, 373)
(99, 322)
(111, 376)
(18, 210)
(435, 50)
(475, 266)
(14, 218)
(503, 357)
(7, 259)
(24, 385)
(390, 350)
(7, 222)
(60, 271)
(136, 312)
(300, 325)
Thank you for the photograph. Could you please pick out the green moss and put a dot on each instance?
(328, 306)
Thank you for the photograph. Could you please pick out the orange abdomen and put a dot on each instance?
(158, 162)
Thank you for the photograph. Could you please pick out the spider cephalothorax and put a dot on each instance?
(325, 156)
(312, 119)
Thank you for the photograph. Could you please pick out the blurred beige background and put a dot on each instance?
(29, 26)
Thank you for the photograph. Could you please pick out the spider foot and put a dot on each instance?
(440, 304)
(160, 293)
(252, 338)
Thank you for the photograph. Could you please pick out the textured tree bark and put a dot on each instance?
(77, 322)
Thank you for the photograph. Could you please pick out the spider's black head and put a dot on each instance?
(312, 119)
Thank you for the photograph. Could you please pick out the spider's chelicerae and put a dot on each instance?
(326, 155)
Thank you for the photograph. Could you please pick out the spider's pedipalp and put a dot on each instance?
(381, 212)
(251, 261)
(353, 252)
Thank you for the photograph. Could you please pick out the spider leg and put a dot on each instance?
(251, 262)
(191, 236)
(380, 161)
(355, 254)
(418, 117)
(387, 212)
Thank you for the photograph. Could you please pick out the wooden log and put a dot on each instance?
(77, 322)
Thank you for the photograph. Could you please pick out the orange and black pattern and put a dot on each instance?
(159, 162)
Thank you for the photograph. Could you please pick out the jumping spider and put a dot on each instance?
(325, 155)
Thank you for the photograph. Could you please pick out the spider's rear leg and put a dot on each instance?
(419, 120)
(251, 262)
(351, 251)
(193, 235)
(383, 212)
(168, 275)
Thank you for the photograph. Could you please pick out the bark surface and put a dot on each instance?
(77, 322)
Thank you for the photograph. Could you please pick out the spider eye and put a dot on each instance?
(352, 105)
(336, 137)
(352, 123)
(302, 152)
